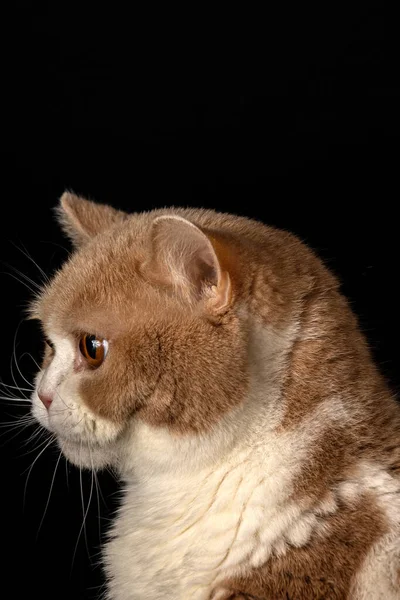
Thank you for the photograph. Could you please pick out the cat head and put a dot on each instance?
(142, 326)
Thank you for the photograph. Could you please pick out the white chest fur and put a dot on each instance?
(177, 536)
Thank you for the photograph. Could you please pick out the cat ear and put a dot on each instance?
(82, 219)
(183, 256)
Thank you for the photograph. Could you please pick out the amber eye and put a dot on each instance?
(93, 349)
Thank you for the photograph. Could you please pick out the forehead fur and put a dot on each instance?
(101, 288)
(271, 271)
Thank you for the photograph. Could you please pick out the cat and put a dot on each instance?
(213, 362)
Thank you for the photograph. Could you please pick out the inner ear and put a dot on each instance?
(83, 219)
(184, 257)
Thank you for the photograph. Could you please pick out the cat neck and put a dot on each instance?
(157, 450)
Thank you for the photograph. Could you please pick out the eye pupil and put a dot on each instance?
(92, 345)
(93, 349)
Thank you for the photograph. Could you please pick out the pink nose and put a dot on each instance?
(46, 399)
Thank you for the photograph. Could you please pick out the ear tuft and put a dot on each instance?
(83, 219)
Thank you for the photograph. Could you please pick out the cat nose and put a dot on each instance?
(46, 399)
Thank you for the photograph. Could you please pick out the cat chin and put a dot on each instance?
(88, 457)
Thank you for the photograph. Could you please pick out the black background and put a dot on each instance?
(290, 116)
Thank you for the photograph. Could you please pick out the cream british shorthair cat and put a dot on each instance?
(213, 362)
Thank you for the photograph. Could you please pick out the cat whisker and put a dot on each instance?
(94, 474)
(65, 404)
(84, 512)
(100, 589)
(15, 417)
(11, 395)
(101, 493)
(40, 431)
(25, 278)
(97, 559)
(7, 395)
(14, 357)
(18, 421)
(18, 388)
(79, 422)
(14, 379)
(31, 357)
(107, 519)
(61, 411)
(13, 401)
(33, 291)
(66, 474)
(37, 445)
(51, 489)
(51, 439)
(58, 245)
(113, 474)
(25, 252)
(19, 427)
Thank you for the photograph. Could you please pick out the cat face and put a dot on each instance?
(141, 328)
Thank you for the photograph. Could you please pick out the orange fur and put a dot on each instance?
(174, 299)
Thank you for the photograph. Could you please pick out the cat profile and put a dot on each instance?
(213, 362)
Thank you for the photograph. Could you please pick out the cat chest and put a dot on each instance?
(179, 542)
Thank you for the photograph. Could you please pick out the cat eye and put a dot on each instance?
(93, 349)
